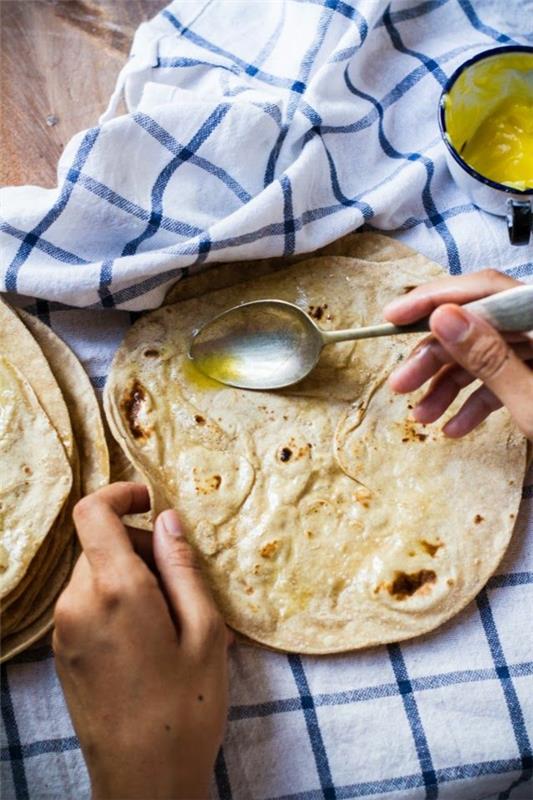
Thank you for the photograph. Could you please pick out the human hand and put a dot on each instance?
(464, 347)
(143, 663)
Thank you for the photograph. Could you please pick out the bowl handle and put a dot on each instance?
(519, 220)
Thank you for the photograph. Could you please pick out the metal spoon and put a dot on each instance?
(270, 344)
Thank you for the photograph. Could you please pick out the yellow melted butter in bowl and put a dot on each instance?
(489, 118)
(502, 146)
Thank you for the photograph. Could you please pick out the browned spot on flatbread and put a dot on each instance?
(410, 433)
(430, 547)
(269, 549)
(317, 312)
(285, 454)
(363, 496)
(131, 405)
(205, 485)
(478, 518)
(405, 584)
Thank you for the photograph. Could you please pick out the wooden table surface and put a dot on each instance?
(59, 60)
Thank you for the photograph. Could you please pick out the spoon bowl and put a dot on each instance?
(265, 344)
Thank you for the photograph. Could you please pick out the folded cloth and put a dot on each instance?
(259, 129)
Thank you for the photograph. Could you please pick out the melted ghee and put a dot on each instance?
(196, 378)
(502, 146)
(209, 372)
(489, 118)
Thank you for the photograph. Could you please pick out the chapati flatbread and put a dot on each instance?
(35, 475)
(34, 630)
(28, 609)
(80, 399)
(325, 518)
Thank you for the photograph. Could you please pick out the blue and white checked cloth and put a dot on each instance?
(259, 129)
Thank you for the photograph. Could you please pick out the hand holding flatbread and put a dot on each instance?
(131, 647)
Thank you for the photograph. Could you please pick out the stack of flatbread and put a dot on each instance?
(326, 519)
(52, 452)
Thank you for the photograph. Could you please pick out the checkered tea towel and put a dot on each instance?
(267, 128)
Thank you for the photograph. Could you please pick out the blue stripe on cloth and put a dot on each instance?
(168, 223)
(175, 63)
(106, 276)
(59, 745)
(432, 66)
(272, 40)
(340, 7)
(406, 782)
(222, 777)
(396, 93)
(430, 222)
(288, 217)
(366, 210)
(480, 26)
(249, 69)
(98, 381)
(42, 244)
(413, 716)
(13, 748)
(415, 11)
(313, 728)
(520, 271)
(344, 55)
(433, 214)
(138, 289)
(303, 75)
(364, 694)
(512, 579)
(183, 155)
(511, 698)
(167, 140)
(31, 238)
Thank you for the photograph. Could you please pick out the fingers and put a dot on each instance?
(477, 347)
(478, 406)
(428, 358)
(441, 393)
(187, 592)
(425, 298)
(97, 519)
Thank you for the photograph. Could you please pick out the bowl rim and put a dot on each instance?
(494, 51)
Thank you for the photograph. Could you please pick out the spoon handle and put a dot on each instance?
(511, 310)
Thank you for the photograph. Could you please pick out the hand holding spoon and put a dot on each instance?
(271, 344)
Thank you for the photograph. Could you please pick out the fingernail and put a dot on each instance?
(450, 324)
(171, 523)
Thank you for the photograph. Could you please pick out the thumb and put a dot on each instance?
(480, 349)
(185, 587)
